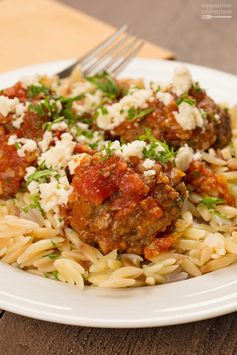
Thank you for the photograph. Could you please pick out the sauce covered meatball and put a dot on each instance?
(118, 204)
(179, 113)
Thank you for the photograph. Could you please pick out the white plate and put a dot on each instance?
(185, 301)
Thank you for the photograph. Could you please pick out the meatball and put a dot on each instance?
(12, 168)
(116, 204)
(162, 123)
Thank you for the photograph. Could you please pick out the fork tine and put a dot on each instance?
(113, 59)
(104, 44)
(114, 66)
(126, 60)
(108, 52)
(94, 51)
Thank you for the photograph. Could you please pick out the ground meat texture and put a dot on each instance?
(164, 126)
(12, 168)
(114, 206)
(201, 179)
(18, 90)
(32, 126)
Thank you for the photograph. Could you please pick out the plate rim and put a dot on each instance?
(141, 322)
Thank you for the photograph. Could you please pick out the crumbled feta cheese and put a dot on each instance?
(33, 187)
(188, 117)
(184, 157)
(12, 140)
(8, 105)
(19, 114)
(165, 97)
(58, 156)
(28, 145)
(150, 172)
(60, 126)
(13, 106)
(197, 156)
(118, 112)
(54, 193)
(75, 161)
(25, 145)
(90, 103)
(133, 149)
(46, 140)
(148, 163)
(217, 242)
(181, 81)
(29, 170)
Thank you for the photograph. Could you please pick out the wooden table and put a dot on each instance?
(176, 25)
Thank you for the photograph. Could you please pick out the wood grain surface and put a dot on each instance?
(20, 335)
(175, 25)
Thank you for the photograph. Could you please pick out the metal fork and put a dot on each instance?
(112, 55)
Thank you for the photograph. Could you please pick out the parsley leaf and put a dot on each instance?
(209, 201)
(54, 244)
(154, 152)
(105, 83)
(196, 87)
(53, 256)
(148, 136)
(108, 150)
(37, 108)
(35, 90)
(17, 145)
(83, 132)
(48, 125)
(187, 99)
(104, 110)
(39, 175)
(133, 113)
(35, 198)
(53, 274)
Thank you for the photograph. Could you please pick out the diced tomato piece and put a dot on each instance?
(158, 246)
(18, 90)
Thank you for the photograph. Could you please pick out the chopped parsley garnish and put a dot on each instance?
(35, 90)
(196, 173)
(48, 125)
(40, 175)
(53, 274)
(94, 146)
(187, 99)
(83, 132)
(209, 202)
(66, 111)
(156, 150)
(53, 256)
(52, 108)
(196, 87)
(108, 150)
(54, 244)
(104, 110)
(163, 156)
(148, 136)
(105, 83)
(37, 108)
(133, 113)
(17, 145)
(35, 198)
